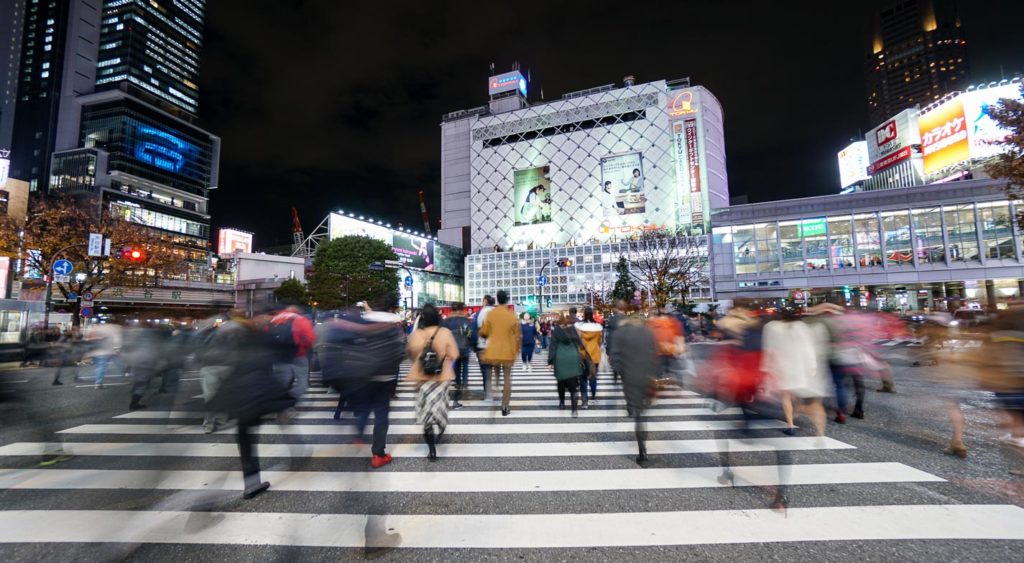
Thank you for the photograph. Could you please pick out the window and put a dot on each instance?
(767, 247)
(743, 249)
(896, 226)
(928, 236)
(962, 232)
(840, 233)
(997, 230)
(869, 246)
(792, 246)
(815, 243)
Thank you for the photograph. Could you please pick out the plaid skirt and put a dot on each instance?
(432, 406)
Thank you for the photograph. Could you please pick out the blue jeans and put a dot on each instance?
(101, 363)
(461, 376)
(544, 341)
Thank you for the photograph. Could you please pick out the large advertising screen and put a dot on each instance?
(622, 184)
(230, 241)
(944, 135)
(340, 226)
(413, 251)
(891, 142)
(532, 193)
(982, 130)
(853, 164)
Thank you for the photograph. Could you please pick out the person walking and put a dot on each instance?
(105, 340)
(634, 356)
(433, 351)
(294, 336)
(564, 359)
(591, 333)
(529, 331)
(461, 328)
(504, 338)
(545, 334)
(480, 343)
(794, 356)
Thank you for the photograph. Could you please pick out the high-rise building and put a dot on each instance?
(10, 53)
(918, 54)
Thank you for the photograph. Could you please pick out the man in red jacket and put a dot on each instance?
(299, 336)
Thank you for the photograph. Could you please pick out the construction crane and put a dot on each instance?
(426, 219)
(297, 236)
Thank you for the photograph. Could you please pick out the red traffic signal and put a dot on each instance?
(133, 254)
(565, 262)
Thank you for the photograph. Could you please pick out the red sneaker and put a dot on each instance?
(379, 461)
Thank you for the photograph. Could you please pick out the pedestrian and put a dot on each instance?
(480, 343)
(211, 344)
(794, 356)
(634, 355)
(501, 329)
(294, 337)
(433, 351)
(530, 331)
(591, 333)
(360, 354)
(545, 334)
(461, 328)
(565, 360)
(67, 353)
(105, 342)
(671, 339)
(147, 353)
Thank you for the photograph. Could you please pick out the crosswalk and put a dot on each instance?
(515, 482)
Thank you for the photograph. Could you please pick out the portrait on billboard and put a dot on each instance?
(531, 190)
(622, 184)
(414, 252)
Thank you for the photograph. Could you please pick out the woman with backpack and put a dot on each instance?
(433, 351)
(591, 332)
(564, 359)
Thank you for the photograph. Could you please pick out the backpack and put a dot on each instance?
(283, 340)
(348, 357)
(462, 331)
(430, 363)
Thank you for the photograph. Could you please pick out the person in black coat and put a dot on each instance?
(634, 355)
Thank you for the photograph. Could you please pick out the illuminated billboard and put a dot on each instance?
(340, 226)
(892, 142)
(944, 135)
(853, 164)
(5, 166)
(622, 184)
(982, 130)
(531, 190)
(163, 149)
(230, 241)
(507, 82)
(413, 251)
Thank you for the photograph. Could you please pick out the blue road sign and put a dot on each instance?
(86, 296)
(63, 267)
(408, 281)
(542, 280)
(86, 311)
(72, 296)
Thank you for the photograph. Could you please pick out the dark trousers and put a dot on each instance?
(840, 374)
(461, 376)
(374, 396)
(485, 373)
(250, 463)
(527, 353)
(572, 385)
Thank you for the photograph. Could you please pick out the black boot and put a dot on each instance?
(428, 435)
(135, 404)
(642, 456)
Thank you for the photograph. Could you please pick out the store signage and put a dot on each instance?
(944, 136)
(507, 82)
(681, 103)
(891, 142)
(853, 164)
(693, 172)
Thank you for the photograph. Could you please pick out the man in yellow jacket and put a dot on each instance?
(501, 329)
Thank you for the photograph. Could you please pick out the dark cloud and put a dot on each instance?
(324, 105)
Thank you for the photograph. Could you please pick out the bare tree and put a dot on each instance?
(667, 264)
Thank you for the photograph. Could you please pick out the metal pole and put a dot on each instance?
(540, 289)
(49, 283)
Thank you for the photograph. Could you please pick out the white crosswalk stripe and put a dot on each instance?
(529, 457)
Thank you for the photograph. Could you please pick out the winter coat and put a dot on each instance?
(633, 355)
(564, 354)
(501, 329)
(795, 357)
(591, 334)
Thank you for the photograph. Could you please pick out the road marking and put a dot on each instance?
(549, 393)
(462, 414)
(17, 381)
(105, 384)
(471, 403)
(468, 481)
(506, 531)
(455, 450)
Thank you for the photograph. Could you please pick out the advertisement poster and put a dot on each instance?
(230, 241)
(983, 131)
(414, 252)
(853, 164)
(340, 226)
(622, 184)
(531, 190)
(944, 136)
(679, 155)
(693, 172)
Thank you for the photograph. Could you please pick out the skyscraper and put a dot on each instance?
(10, 57)
(918, 53)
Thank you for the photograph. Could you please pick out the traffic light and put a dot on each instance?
(565, 262)
(133, 254)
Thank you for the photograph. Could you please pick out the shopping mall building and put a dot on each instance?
(934, 247)
(526, 184)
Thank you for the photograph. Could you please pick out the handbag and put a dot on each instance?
(430, 363)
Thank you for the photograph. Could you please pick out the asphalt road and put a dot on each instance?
(534, 486)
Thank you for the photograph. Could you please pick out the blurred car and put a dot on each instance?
(967, 320)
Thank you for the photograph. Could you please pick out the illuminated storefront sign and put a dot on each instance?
(944, 136)
(853, 164)
(891, 142)
(230, 241)
(693, 172)
(507, 82)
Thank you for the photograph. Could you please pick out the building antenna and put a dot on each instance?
(492, 68)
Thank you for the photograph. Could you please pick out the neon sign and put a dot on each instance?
(162, 149)
(681, 104)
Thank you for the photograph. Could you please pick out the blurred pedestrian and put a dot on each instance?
(360, 354)
(566, 361)
(794, 357)
(293, 336)
(433, 351)
(529, 330)
(634, 356)
(591, 333)
(147, 353)
(501, 329)
(461, 328)
(67, 353)
(212, 344)
(671, 340)
(480, 343)
(104, 345)
(545, 334)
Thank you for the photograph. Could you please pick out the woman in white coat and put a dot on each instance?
(795, 358)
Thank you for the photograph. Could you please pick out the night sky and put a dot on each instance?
(324, 105)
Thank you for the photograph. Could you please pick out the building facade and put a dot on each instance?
(918, 53)
(10, 62)
(935, 247)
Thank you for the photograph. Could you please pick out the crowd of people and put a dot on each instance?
(783, 365)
